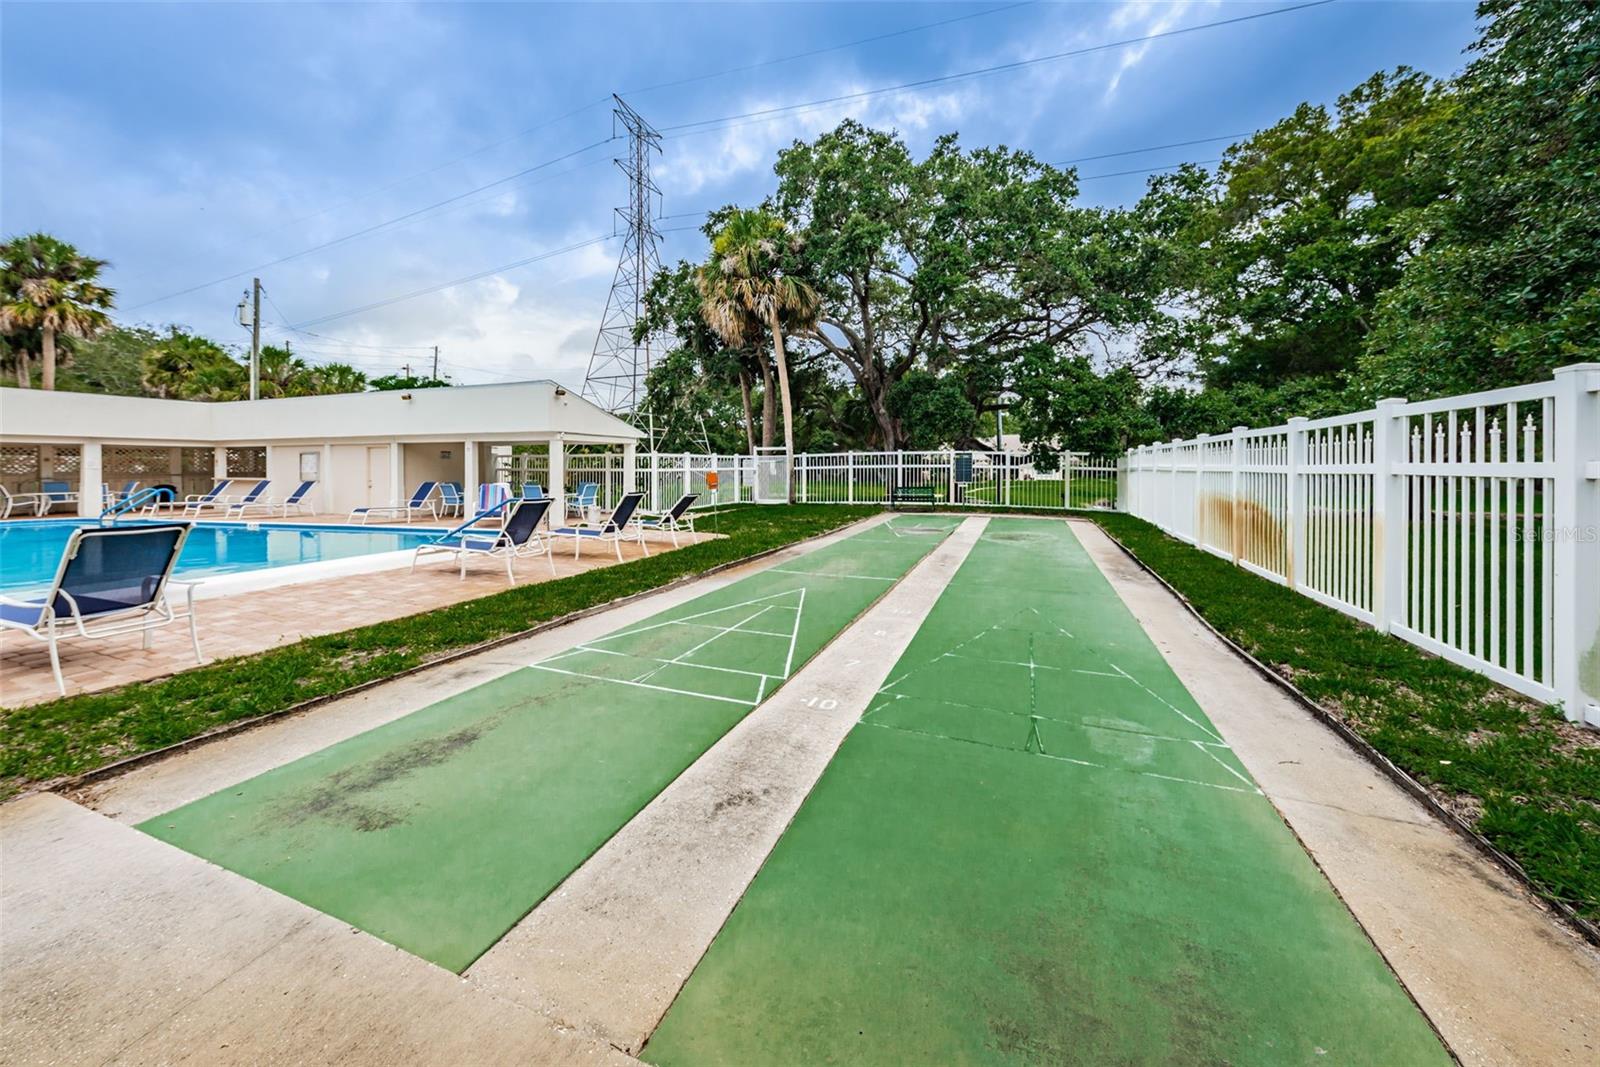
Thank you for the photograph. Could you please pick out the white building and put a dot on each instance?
(361, 448)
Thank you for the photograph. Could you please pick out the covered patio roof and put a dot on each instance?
(517, 412)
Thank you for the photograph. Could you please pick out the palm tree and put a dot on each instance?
(748, 285)
(339, 378)
(49, 286)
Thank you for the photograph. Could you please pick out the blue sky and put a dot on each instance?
(186, 143)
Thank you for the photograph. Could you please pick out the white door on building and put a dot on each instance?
(378, 475)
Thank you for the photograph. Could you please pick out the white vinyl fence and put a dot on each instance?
(1469, 526)
(958, 479)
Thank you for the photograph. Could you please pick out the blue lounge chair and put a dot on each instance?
(450, 501)
(519, 536)
(56, 493)
(421, 500)
(614, 529)
(111, 580)
(674, 519)
(532, 491)
(225, 503)
(296, 500)
(585, 501)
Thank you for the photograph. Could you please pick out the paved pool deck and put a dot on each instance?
(247, 622)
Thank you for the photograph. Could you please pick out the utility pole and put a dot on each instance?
(255, 342)
(405, 370)
(435, 362)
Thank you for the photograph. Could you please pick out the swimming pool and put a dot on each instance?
(31, 551)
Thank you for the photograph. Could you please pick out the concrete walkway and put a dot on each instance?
(1497, 975)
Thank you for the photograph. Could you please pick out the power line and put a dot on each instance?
(395, 183)
(823, 51)
(457, 281)
(724, 122)
(1150, 170)
(376, 226)
(1152, 148)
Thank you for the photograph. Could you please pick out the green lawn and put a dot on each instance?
(78, 733)
(1526, 779)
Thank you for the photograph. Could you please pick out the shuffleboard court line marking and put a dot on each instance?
(1170, 706)
(1062, 759)
(708, 626)
(1082, 723)
(640, 685)
(824, 574)
(682, 658)
(788, 663)
(687, 619)
(1015, 663)
(1225, 767)
(657, 659)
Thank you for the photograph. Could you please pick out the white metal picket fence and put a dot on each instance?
(1469, 525)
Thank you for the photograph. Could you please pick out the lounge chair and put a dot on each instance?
(614, 529)
(519, 536)
(224, 503)
(532, 491)
(585, 501)
(450, 500)
(214, 493)
(56, 493)
(114, 497)
(111, 580)
(295, 500)
(10, 501)
(676, 518)
(421, 500)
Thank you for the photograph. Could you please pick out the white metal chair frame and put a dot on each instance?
(295, 500)
(412, 505)
(469, 544)
(9, 501)
(51, 628)
(665, 522)
(607, 531)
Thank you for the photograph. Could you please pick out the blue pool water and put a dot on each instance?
(31, 551)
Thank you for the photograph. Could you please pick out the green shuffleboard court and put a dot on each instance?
(1035, 848)
(439, 831)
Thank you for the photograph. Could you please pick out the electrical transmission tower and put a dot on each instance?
(618, 364)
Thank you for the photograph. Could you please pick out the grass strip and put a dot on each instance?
(1513, 769)
(79, 733)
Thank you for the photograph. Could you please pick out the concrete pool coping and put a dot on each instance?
(211, 587)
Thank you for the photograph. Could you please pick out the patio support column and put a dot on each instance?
(558, 479)
(471, 475)
(90, 468)
(630, 466)
(327, 486)
(397, 474)
(219, 464)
